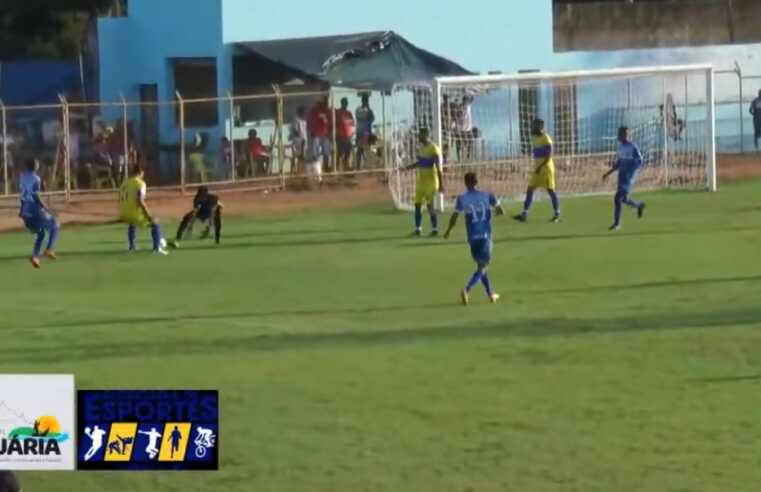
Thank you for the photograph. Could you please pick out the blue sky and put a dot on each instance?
(482, 35)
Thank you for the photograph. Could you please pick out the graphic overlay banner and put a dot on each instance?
(147, 430)
(36, 422)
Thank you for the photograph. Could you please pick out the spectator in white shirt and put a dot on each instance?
(299, 136)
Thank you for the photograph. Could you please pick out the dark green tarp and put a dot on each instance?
(370, 61)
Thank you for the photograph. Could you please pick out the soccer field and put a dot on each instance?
(615, 361)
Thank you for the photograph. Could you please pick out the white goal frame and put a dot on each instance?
(438, 86)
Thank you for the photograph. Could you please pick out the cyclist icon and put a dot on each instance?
(204, 441)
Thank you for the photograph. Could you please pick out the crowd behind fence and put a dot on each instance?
(255, 139)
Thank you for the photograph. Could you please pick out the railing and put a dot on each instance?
(90, 147)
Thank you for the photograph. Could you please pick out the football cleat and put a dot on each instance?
(520, 217)
(35, 262)
(493, 297)
(640, 210)
(50, 254)
(464, 298)
(614, 227)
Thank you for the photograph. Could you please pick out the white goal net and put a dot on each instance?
(482, 124)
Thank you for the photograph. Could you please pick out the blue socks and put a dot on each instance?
(473, 280)
(528, 202)
(619, 200)
(485, 281)
(632, 203)
(555, 202)
(156, 236)
(483, 277)
(418, 219)
(52, 237)
(131, 235)
(617, 210)
(38, 243)
(434, 221)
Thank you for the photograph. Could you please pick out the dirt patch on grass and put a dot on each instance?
(102, 208)
(736, 167)
(348, 192)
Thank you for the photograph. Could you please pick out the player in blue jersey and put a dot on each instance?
(35, 214)
(628, 163)
(477, 206)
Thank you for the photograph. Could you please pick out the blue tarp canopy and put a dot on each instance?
(367, 61)
(29, 83)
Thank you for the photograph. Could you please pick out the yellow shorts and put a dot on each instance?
(425, 194)
(137, 219)
(545, 179)
(426, 190)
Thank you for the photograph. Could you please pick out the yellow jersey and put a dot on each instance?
(428, 162)
(542, 148)
(130, 193)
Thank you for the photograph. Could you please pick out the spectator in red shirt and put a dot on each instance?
(258, 157)
(344, 133)
(319, 126)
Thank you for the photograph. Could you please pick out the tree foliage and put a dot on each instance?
(48, 28)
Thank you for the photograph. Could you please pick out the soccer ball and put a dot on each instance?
(162, 243)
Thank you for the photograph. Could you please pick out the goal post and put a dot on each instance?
(482, 123)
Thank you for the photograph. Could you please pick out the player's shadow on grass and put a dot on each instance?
(596, 235)
(252, 234)
(456, 332)
(652, 285)
(132, 320)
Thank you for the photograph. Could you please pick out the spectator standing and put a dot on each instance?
(344, 134)
(464, 134)
(365, 120)
(257, 157)
(299, 138)
(225, 157)
(318, 126)
(755, 110)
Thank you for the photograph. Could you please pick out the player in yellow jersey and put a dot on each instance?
(429, 181)
(133, 211)
(543, 175)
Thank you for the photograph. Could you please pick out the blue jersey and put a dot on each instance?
(477, 206)
(29, 189)
(629, 160)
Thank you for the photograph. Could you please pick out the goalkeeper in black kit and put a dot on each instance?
(206, 208)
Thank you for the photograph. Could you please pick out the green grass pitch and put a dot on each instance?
(623, 361)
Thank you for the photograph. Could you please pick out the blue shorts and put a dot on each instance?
(480, 250)
(42, 221)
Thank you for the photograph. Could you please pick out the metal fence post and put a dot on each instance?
(666, 115)
(125, 137)
(279, 124)
(6, 187)
(181, 125)
(66, 151)
(739, 73)
(232, 135)
(332, 120)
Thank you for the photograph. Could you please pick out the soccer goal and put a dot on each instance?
(482, 124)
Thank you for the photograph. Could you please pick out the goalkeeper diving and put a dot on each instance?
(206, 208)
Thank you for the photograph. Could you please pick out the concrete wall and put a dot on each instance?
(606, 26)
